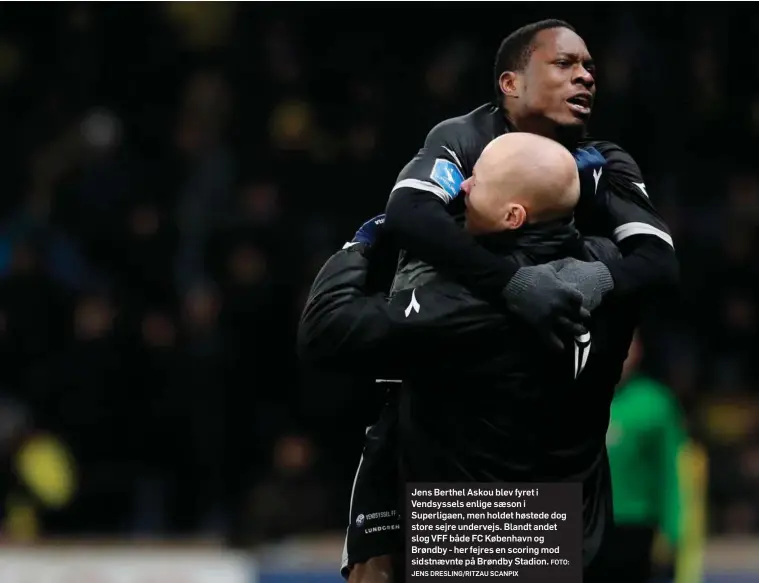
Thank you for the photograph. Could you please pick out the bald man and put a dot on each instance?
(483, 398)
(520, 179)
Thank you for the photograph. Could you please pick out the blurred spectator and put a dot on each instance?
(293, 498)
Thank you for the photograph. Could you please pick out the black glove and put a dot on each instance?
(592, 279)
(551, 306)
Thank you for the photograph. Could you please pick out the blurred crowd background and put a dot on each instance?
(173, 175)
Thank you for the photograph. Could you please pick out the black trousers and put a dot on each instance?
(624, 557)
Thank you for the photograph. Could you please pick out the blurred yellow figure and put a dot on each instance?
(658, 483)
(44, 480)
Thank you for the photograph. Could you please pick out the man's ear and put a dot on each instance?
(508, 84)
(515, 217)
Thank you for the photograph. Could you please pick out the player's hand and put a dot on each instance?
(592, 279)
(588, 159)
(551, 306)
(369, 231)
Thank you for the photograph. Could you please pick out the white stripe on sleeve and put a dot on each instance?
(630, 229)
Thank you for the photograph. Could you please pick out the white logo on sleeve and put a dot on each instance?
(448, 177)
(642, 187)
(582, 350)
(413, 305)
(597, 176)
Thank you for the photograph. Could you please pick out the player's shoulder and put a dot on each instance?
(616, 155)
(468, 127)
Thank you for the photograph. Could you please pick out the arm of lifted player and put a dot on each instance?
(627, 215)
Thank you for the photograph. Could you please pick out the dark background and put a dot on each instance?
(173, 175)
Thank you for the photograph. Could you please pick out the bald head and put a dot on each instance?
(520, 178)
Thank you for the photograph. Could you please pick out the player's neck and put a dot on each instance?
(567, 136)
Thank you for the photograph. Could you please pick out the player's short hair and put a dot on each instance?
(516, 49)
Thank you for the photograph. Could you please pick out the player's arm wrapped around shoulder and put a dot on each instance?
(345, 326)
(419, 221)
(622, 210)
(342, 325)
(649, 261)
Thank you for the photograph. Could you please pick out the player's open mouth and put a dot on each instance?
(581, 103)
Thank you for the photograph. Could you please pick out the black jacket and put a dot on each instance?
(483, 399)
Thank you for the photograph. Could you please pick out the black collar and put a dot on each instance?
(540, 240)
